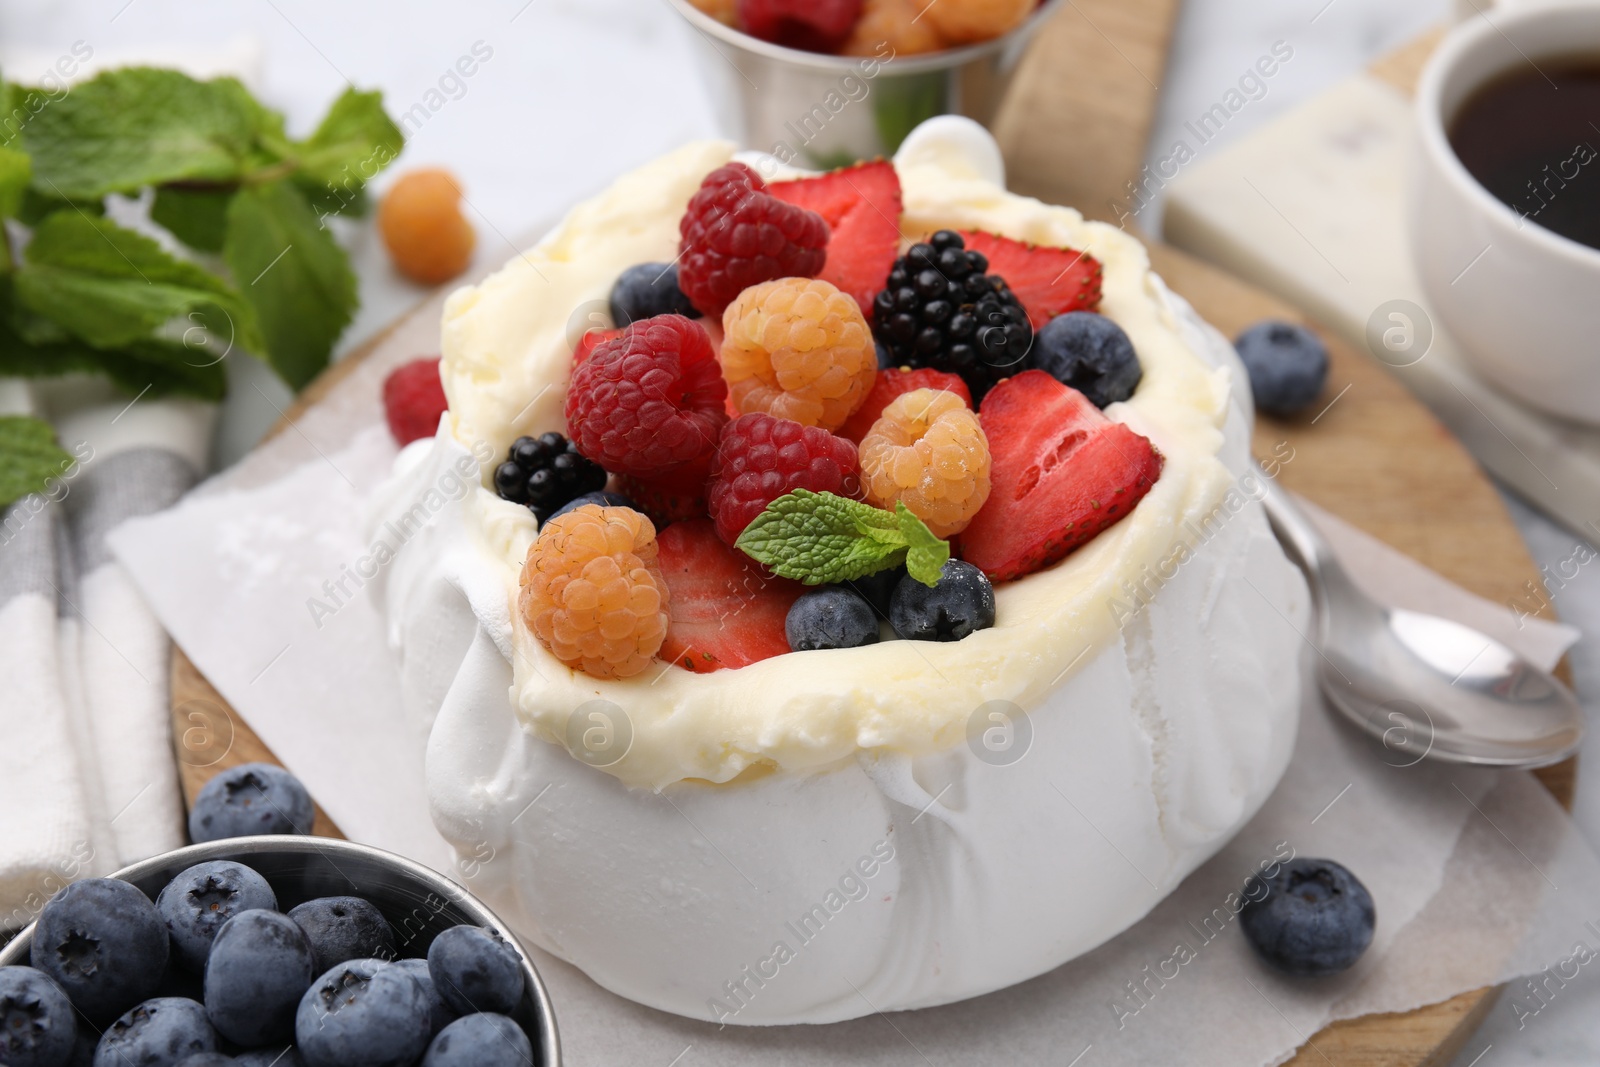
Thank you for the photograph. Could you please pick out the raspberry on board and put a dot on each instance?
(798, 349)
(965, 21)
(650, 401)
(592, 591)
(928, 452)
(422, 226)
(761, 458)
(735, 234)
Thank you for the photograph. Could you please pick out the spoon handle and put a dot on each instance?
(1295, 530)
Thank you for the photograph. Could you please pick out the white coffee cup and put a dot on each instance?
(1523, 302)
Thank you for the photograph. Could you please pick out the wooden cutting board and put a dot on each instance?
(1367, 451)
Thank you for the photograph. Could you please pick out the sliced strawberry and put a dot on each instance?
(724, 612)
(1060, 472)
(672, 497)
(591, 340)
(1048, 281)
(862, 207)
(893, 383)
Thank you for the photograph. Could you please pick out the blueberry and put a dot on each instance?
(834, 616)
(482, 1040)
(270, 1057)
(1287, 364)
(105, 945)
(344, 928)
(961, 603)
(253, 798)
(885, 357)
(1313, 917)
(475, 970)
(646, 290)
(83, 1051)
(603, 498)
(179, 981)
(363, 1013)
(196, 903)
(1091, 354)
(878, 588)
(157, 1033)
(260, 967)
(208, 1059)
(37, 1026)
(442, 1014)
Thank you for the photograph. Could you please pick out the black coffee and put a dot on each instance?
(1532, 138)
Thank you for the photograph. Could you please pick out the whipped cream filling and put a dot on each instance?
(507, 347)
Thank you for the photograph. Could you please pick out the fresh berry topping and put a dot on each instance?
(810, 25)
(196, 903)
(1090, 353)
(877, 588)
(591, 340)
(422, 226)
(960, 604)
(363, 1012)
(646, 290)
(670, 497)
(940, 309)
(834, 616)
(761, 458)
(721, 10)
(104, 944)
(413, 400)
(1287, 364)
(735, 235)
(861, 205)
(798, 349)
(1061, 473)
(604, 499)
(725, 612)
(928, 452)
(896, 23)
(892, 384)
(36, 1021)
(649, 401)
(259, 968)
(1048, 281)
(592, 593)
(343, 928)
(546, 472)
(965, 21)
(161, 1030)
(483, 1039)
(475, 969)
(252, 798)
(1309, 918)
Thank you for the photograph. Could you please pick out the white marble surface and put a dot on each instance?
(577, 90)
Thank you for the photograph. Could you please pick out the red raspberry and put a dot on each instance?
(650, 401)
(762, 457)
(413, 400)
(736, 234)
(812, 25)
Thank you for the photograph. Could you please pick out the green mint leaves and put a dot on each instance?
(820, 538)
(252, 266)
(29, 457)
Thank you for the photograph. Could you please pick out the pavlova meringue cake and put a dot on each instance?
(816, 835)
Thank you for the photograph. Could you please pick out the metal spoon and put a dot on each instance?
(1423, 685)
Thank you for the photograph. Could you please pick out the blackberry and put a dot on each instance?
(940, 309)
(546, 472)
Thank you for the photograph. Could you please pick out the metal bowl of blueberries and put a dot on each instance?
(281, 949)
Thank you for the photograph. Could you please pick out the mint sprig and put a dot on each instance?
(820, 538)
(29, 457)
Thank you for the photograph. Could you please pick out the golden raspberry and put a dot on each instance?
(592, 592)
(927, 451)
(422, 226)
(721, 10)
(965, 21)
(798, 349)
(894, 23)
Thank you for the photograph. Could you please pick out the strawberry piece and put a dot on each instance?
(725, 612)
(896, 382)
(1060, 473)
(591, 340)
(1048, 281)
(861, 205)
(413, 400)
(671, 497)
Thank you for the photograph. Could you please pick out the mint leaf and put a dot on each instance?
(36, 206)
(293, 273)
(819, 538)
(354, 142)
(926, 554)
(332, 199)
(112, 287)
(29, 456)
(15, 170)
(140, 126)
(197, 217)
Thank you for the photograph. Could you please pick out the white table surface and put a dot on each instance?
(579, 90)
